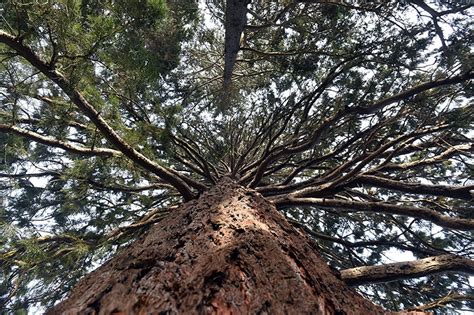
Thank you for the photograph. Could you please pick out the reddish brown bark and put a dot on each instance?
(228, 252)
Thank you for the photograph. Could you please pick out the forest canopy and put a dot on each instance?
(355, 118)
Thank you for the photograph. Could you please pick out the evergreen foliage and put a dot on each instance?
(346, 100)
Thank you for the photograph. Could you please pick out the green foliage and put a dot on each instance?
(152, 69)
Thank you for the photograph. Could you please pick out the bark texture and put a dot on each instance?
(228, 252)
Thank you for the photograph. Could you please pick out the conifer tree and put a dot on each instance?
(151, 137)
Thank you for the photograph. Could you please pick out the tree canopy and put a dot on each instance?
(355, 118)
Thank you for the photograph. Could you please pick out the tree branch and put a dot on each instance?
(67, 146)
(49, 71)
(380, 207)
(30, 175)
(457, 149)
(358, 244)
(338, 175)
(452, 297)
(313, 139)
(407, 269)
(459, 192)
(414, 91)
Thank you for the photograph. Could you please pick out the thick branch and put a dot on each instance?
(49, 71)
(414, 91)
(407, 269)
(381, 207)
(333, 178)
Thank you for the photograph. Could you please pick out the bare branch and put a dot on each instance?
(380, 207)
(460, 192)
(457, 149)
(450, 298)
(407, 269)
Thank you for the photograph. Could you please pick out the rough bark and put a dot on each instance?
(407, 269)
(228, 252)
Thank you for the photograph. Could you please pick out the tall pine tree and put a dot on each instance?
(157, 139)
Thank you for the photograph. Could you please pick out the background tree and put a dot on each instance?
(354, 119)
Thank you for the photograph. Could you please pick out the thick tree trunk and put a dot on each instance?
(228, 252)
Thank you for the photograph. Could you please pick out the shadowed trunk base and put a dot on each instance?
(229, 252)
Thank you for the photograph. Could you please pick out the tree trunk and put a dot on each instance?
(235, 19)
(228, 252)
